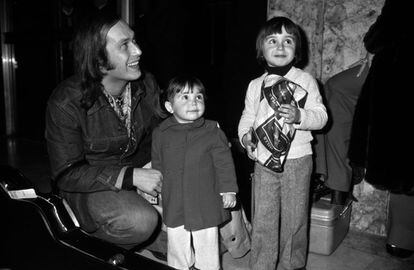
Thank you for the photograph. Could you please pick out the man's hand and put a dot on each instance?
(249, 145)
(148, 180)
(229, 200)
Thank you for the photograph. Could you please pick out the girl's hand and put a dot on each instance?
(229, 200)
(290, 113)
(249, 145)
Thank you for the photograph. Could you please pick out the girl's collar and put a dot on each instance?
(281, 71)
(172, 122)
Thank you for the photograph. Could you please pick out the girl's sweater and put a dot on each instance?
(313, 115)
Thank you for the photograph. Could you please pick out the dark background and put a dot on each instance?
(214, 39)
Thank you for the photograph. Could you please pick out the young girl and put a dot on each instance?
(199, 179)
(276, 133)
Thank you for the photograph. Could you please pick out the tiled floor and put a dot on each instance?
(358, 251)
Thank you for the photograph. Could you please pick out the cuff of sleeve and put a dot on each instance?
(120, 178)
(241, 140)
(224, 193)
(127, 182)
(301, 120)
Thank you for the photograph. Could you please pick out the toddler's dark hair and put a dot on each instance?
(274, 26)
(177, 84)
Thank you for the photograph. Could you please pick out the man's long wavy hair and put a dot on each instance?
(90, 55)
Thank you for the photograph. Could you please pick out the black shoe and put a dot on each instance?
(159, 255)
(318, 188)
(339, 197)
(398, 252)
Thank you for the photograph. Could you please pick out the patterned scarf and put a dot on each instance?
(122, 106)
(272, 134)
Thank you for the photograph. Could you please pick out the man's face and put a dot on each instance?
(187, 106)
(123, 55)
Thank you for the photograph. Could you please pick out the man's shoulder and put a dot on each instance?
(148, 76)
(67, 91)
(147, 83)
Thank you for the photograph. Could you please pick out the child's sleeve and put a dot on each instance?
(249, 113)
(313, 115)
(223, 164)
(156, 150)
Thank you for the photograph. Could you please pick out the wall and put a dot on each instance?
(335, 30)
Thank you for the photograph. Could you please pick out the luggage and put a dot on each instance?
(39, 231)
(329, 225)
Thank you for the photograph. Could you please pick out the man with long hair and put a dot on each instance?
(98, 132)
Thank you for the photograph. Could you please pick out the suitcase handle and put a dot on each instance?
(345, 209)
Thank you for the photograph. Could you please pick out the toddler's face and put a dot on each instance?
(279, 49)
(187, 106)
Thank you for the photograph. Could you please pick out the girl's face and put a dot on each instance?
(187, 106)
(279, 49)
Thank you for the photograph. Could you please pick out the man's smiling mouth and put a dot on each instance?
(133, 64)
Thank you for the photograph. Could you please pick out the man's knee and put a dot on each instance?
(132, 227)
(143, 223)
(123, 217)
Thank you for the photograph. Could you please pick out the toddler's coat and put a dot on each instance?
(196, 164)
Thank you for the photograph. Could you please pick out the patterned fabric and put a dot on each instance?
(122, 106)
(272, 135)
(280, 196)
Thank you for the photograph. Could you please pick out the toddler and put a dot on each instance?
(199, 178)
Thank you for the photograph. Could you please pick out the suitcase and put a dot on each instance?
(329, 225)
(39, 231)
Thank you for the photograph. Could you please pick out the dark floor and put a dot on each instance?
(358, 251)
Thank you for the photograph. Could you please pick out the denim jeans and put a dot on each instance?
(123, 218)
(281, 196)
